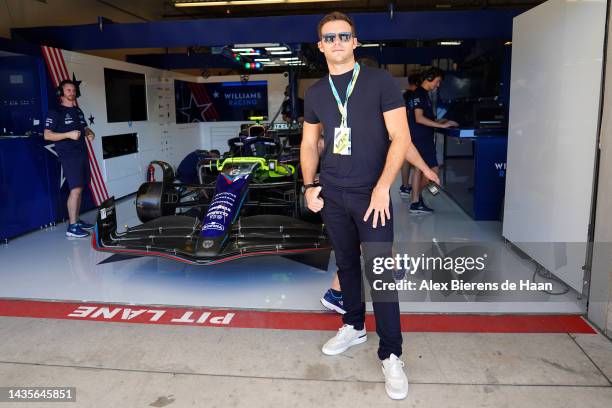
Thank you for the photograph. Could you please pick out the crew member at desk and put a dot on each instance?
(422, 122)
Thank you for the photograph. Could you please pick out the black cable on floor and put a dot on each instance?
(549, 276)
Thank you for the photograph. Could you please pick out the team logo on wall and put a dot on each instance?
(220, 101)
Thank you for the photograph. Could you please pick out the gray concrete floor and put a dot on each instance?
(131, 365)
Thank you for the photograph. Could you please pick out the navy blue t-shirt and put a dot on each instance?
(408, 96)
(375, 92)
(64, 119)
(419, 99)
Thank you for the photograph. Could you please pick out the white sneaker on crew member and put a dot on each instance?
(346, 337)
(396, 383)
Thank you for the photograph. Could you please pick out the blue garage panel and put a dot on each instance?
(489, 176)
(182, 61)
(287, 29)
(28, 196)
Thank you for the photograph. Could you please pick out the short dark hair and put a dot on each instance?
(333, 16)
(432, 73)
(66, 82)
(414, 79)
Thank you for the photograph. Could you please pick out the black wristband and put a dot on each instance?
(307, 186)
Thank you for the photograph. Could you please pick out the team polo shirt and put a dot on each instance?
(374, 93)
(65, 119)
(419, 99)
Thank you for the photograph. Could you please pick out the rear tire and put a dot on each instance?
(153, 201)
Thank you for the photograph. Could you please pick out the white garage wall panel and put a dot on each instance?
(557, 54)
(159, 138)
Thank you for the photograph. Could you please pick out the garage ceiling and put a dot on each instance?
(34, 13)
(39, 13)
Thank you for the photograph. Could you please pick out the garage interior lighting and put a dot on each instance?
(215, 3)
(449, 43)
(281, 52)
(243, 49)
(370, 45)
(289, 59)
(275, 48)
(256, 45)
(262, 59)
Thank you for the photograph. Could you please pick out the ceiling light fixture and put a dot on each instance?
(449, 43)
(275, 48)
(216, 3)
(281, 52)
(256, 45)
(242, 49)
(370, 45)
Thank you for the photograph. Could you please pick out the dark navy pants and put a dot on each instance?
(343, 212)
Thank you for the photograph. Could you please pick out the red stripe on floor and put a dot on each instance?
(254, 319)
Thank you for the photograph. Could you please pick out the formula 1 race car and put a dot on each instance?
(273, 188)
(217, 233)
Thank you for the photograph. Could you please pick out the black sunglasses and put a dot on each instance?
(329, 38)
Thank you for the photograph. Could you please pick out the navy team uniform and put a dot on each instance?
(347, 182)
(422, 136)
(72, 153)
(408, 96)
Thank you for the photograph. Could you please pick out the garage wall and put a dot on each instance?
(554, 107)
(159, 137)
(214, 135)
(600, 297)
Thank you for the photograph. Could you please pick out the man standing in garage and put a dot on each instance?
(422, 122)
(362, 114)
(66, 126)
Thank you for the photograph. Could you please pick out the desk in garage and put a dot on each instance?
(31, 187)
(476, 177)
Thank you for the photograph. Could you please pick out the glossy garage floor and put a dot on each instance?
(46, 265)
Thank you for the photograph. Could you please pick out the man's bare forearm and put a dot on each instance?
(309, 161)
(395, 159)
(428, 122)
(55, 137)
(413, 157)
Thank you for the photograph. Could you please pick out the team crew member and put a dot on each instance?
(66, 126)
(414, 81)
(286, 108)
(422, 122)
(363, 118)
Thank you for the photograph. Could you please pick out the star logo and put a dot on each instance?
(195, 111)
(77, 84)
(91, 119)
(51, 149)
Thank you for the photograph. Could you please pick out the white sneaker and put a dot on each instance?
(346, 337)
(396, 383)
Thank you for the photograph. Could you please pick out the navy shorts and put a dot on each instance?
(427, 149)
(76, 170)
